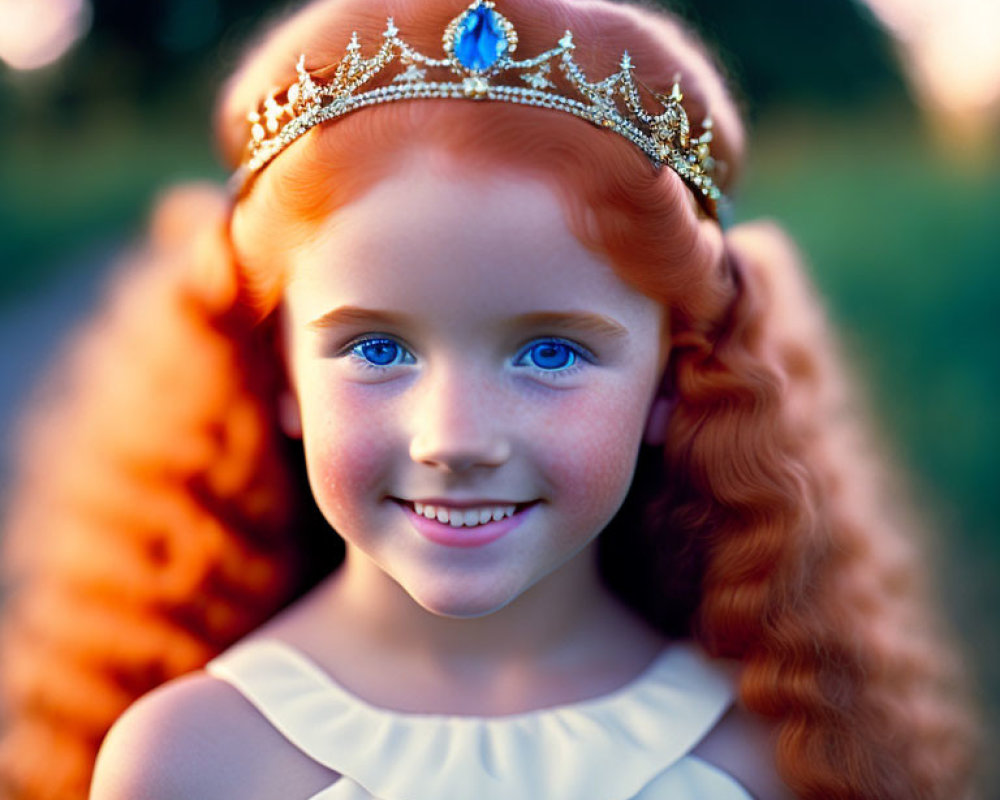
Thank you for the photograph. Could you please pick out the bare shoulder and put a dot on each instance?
(196, 736)
(742, 744)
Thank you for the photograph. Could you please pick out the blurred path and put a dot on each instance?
(33, 325)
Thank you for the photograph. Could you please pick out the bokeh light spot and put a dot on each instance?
(35, 33)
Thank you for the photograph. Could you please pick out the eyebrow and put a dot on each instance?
(583, 322)
(349, 315)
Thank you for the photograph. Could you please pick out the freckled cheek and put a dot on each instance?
(347, 449)
(590, 453)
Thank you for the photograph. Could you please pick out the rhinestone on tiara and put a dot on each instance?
(478, 45)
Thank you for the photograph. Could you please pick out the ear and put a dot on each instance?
(656, 424)
(655, 433)
(289, 416)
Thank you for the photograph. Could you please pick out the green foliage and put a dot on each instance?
(903, 243)
(780, 52)
(61, 192)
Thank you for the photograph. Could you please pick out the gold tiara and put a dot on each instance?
(478, 45)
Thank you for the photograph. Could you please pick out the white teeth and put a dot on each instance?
(464, 517)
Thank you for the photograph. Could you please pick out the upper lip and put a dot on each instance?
(463, 503)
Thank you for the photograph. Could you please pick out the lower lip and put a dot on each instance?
(475, 536)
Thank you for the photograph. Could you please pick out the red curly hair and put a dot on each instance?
(159, 514)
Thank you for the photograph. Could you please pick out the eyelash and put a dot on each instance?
(580, 355)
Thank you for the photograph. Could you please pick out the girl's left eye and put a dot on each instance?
(379, 353)
(553, 356)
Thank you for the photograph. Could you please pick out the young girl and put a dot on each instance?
(467, 454)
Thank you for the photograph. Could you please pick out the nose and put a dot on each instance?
(457, 424)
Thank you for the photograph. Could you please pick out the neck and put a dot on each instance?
(564, 639)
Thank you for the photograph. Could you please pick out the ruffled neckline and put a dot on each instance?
(602, 748)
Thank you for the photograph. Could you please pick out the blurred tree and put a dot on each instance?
(839, 51)
(780, 52)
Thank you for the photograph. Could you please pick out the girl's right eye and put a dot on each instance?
(378, 353)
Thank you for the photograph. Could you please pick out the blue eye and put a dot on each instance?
(379, 353)
(552, 356)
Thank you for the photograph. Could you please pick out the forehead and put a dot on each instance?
(435, 236)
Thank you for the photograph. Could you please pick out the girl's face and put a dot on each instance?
(451, 344)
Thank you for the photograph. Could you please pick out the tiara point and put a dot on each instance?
(626, 62)
(390, 29)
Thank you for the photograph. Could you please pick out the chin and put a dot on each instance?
(454, 603)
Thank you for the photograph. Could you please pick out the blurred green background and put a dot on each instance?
(893, 204)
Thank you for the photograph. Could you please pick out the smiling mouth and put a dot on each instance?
(465, 517)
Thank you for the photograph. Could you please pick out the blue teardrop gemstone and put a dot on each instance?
(480, 40)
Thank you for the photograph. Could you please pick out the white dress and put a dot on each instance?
(631, 744)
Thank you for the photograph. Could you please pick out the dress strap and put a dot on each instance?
(604, 748)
